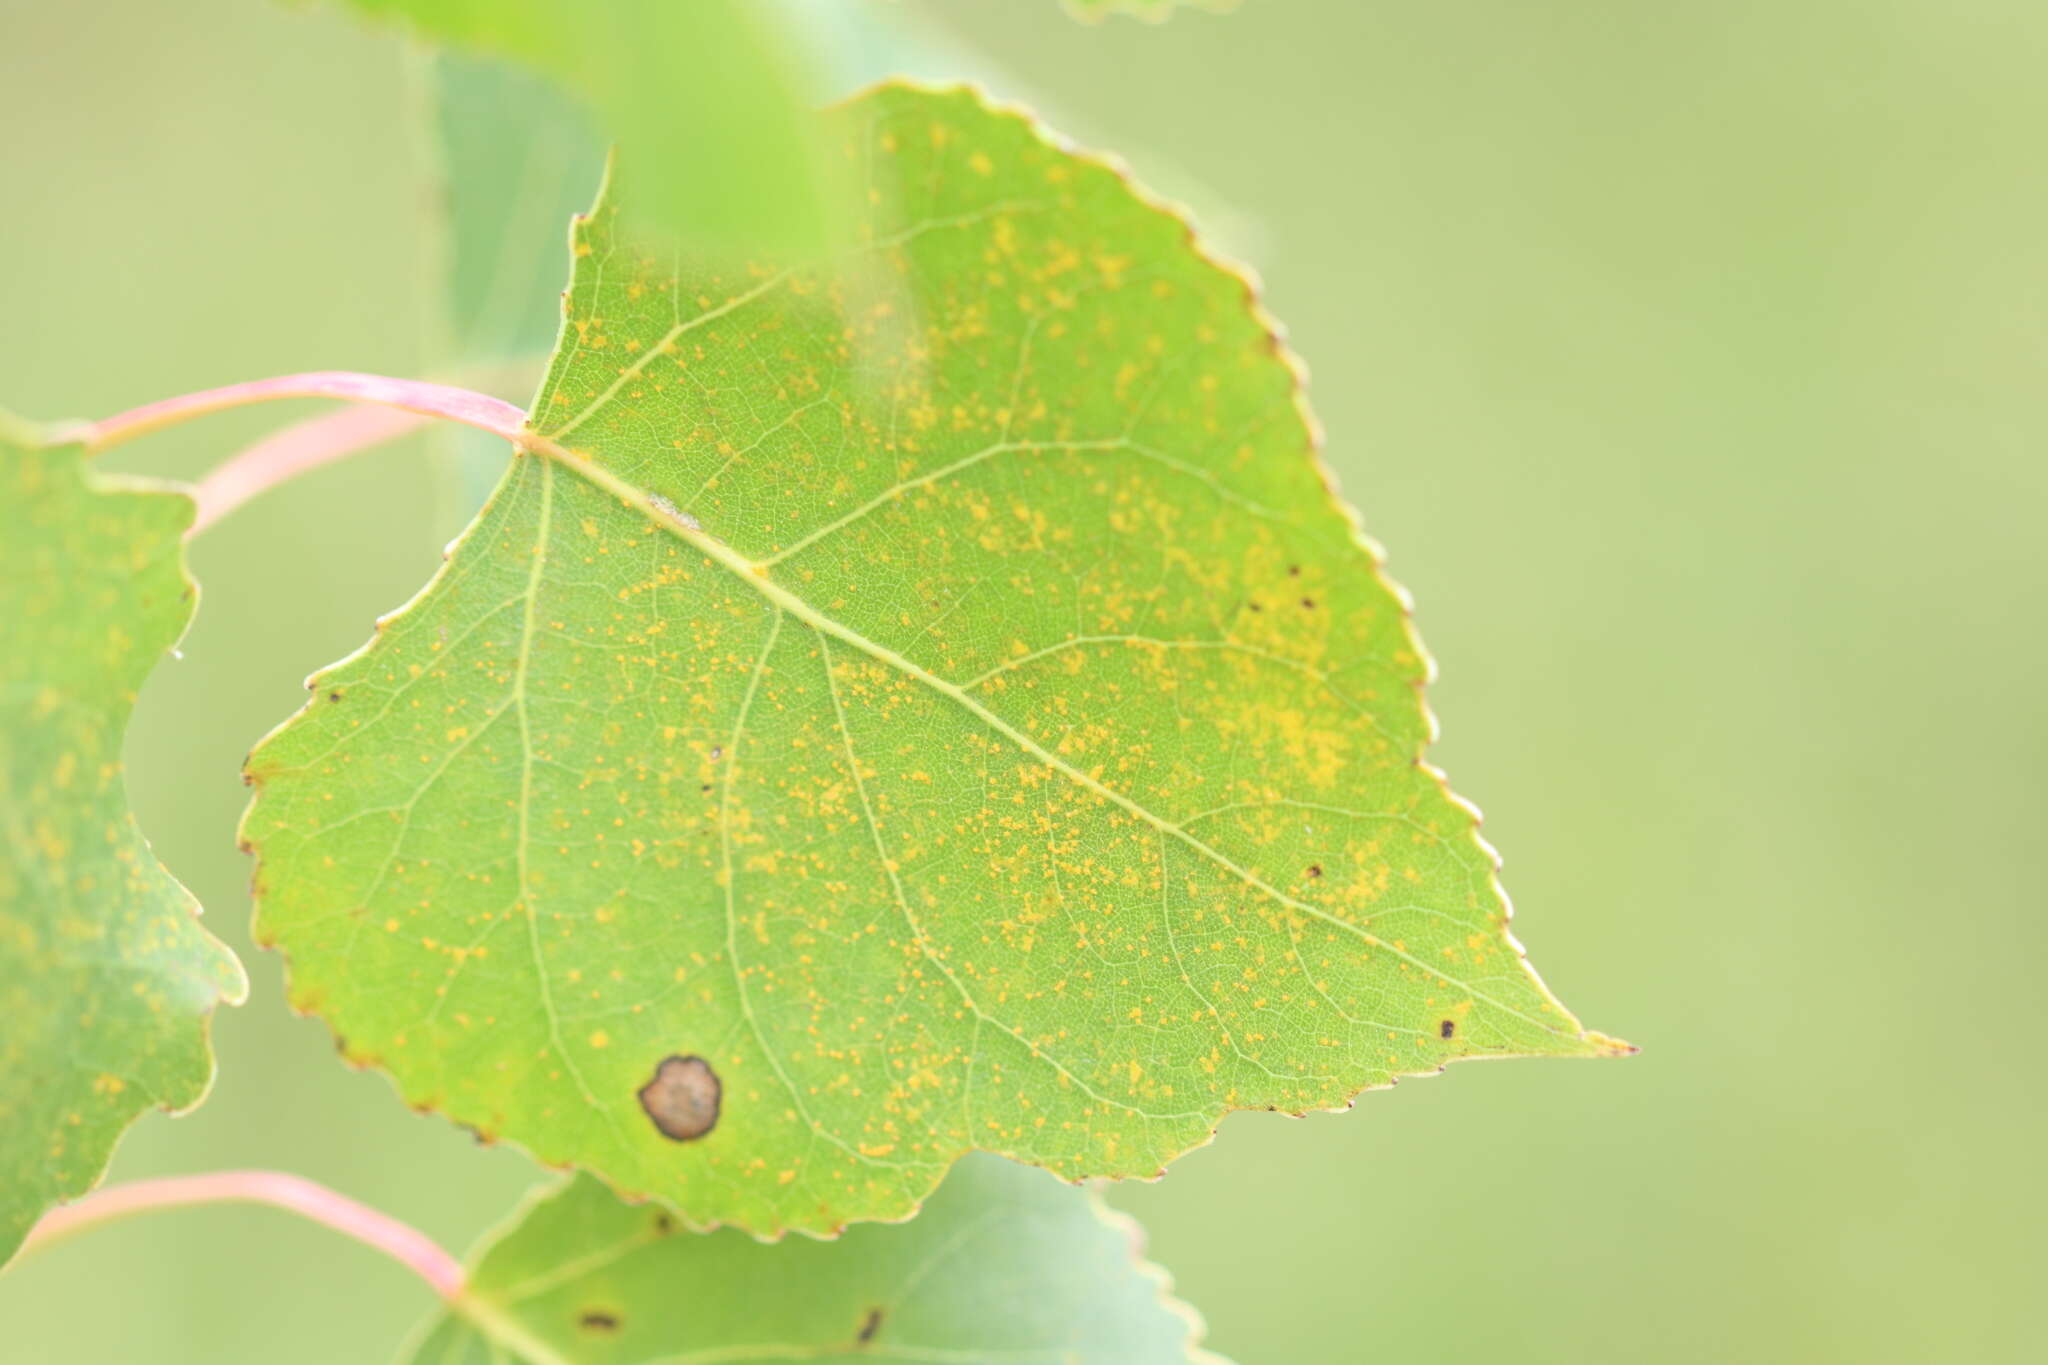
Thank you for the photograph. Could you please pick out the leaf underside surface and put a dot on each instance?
(931, 704)
(1003, 1265)
(107, 979)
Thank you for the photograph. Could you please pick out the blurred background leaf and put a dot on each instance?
(707, 86)
(1005, 1263)
(1095, 11)
(509, 160)
(1690, 361)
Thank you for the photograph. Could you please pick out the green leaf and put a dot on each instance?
(515, 160)
(703, 88)
(106, 978)
(931, 706)
(1005, 1265)
(1155, 11)
(518, 160)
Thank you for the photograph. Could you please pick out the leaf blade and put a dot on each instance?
(1152, 11)
(707, 87)
(1004, 1265)
(107, 980)
(944, 697)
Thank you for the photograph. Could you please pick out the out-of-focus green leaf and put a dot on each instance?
(1004, 1267)
(702, 88)
(927, 704)
(519, 160)
(106, 977)
(515, 160)
(1095, 11)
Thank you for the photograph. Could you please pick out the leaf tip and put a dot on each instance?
(1603, 1045)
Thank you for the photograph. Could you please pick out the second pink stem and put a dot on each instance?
(403, 1243)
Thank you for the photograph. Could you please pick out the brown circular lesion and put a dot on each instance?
(683, 1097)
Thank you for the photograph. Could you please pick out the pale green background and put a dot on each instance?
(1692, 360)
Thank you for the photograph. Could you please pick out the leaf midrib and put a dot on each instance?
(756, 576)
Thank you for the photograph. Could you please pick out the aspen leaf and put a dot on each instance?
(1095, 11)
(928, 704)
(516, 160)
(1004, 1265)
(705, 88)
(107, 979)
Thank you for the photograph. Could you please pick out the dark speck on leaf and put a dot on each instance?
(1315, 869)
(1308, 603)
(334, 696)
(1447, 1028)
(870, 1325)
(1294, 570)
(683, 1097)
(597, 1320)
(663, 1225)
